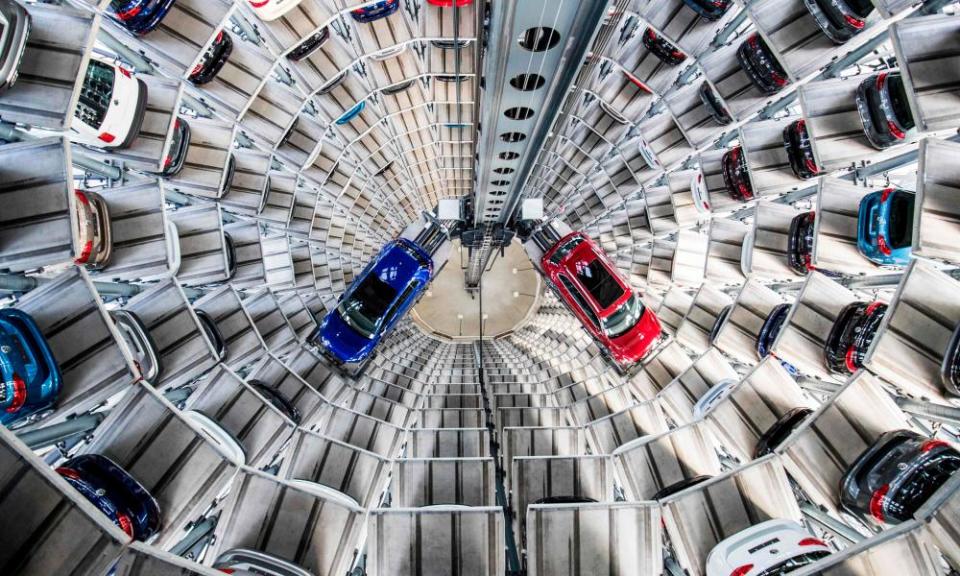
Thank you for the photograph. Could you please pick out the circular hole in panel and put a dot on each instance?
(508, 155)
(513, 137)
(519, 113)
(500, 182)
(527, 82)
(539, 39)
(504, 170)
(498, 192)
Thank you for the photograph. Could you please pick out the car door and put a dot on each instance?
(580, 306)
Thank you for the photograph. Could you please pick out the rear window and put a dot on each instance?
(900, 234)
(96, 93)
(600, 283)
(862, 8)
(795, 563)
(898, 97)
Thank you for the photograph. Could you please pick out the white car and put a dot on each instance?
(268, 10)
(226, 442)
(648, 155)
(714, 396)
(701, 195)
(247, 562)
(323, 491)
(111, 106)
(770, 548)
(746, 254)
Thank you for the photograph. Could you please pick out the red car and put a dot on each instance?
(585, 279)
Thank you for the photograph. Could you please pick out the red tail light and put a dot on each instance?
(931, 444)
(883, 246)
(743, 570)
(856, 23)
(811, 542)
(886, 194)
(881, 80)
(19, 394)
(897, 132)
(227, 570)
(779, 80)
(812, 166)
(84, 256)
(849, 359)
(68, 473)
(168, 162)
(876, 502)
(128, 14)
(107, 137)
(219, 37)
(125, 524)
(872, 307)
(196, 70)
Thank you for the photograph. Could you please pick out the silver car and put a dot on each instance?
(141, 345)
(246, 562)
(14, 30)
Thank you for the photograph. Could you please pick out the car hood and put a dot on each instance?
(634, 345)
(342, 341)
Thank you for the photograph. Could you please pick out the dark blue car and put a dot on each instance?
(375, 11)
(372, 305)
(115, 493)
(31, 377)
(140, 16)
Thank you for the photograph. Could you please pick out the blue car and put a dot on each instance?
(351, 113)
(885, 227)
(140, 17)
(372, 305)
(31, 377)
(375, 11)
(115, 493)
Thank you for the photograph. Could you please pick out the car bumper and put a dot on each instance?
(220, 59)
(837, 34)
(140, 111)
(180, 156)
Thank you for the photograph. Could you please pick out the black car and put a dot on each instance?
(783, 427)
(718, 324)
(713, 105)
(884, 109)
(709, 9)
(213, 60)
(309, 45)
(761, 66)
(893, 478)
(840, 20)
(800, 242)
(950, 368)
(851, 336)
(736, 175)
(662, 49)
(680, 486)
(771, 329)
(213, 334)
(231, 249)
(796, 140)
(177, 155)
(279, 401)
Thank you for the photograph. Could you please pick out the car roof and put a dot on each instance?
(585, 254)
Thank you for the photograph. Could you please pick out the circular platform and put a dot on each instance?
(511, 295)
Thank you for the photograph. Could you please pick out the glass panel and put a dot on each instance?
(366, 307)
(624, 318)
(901, 220)
(581, 302)
(96, 93)
(600, 283)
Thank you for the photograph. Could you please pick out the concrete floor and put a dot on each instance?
(511, 295)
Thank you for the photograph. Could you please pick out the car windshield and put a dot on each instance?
(96, 93)
(898, 97)
(624, 318)
(565, 249)
(901, 221)
(600, 283)
(365, 308)
(794, 564)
